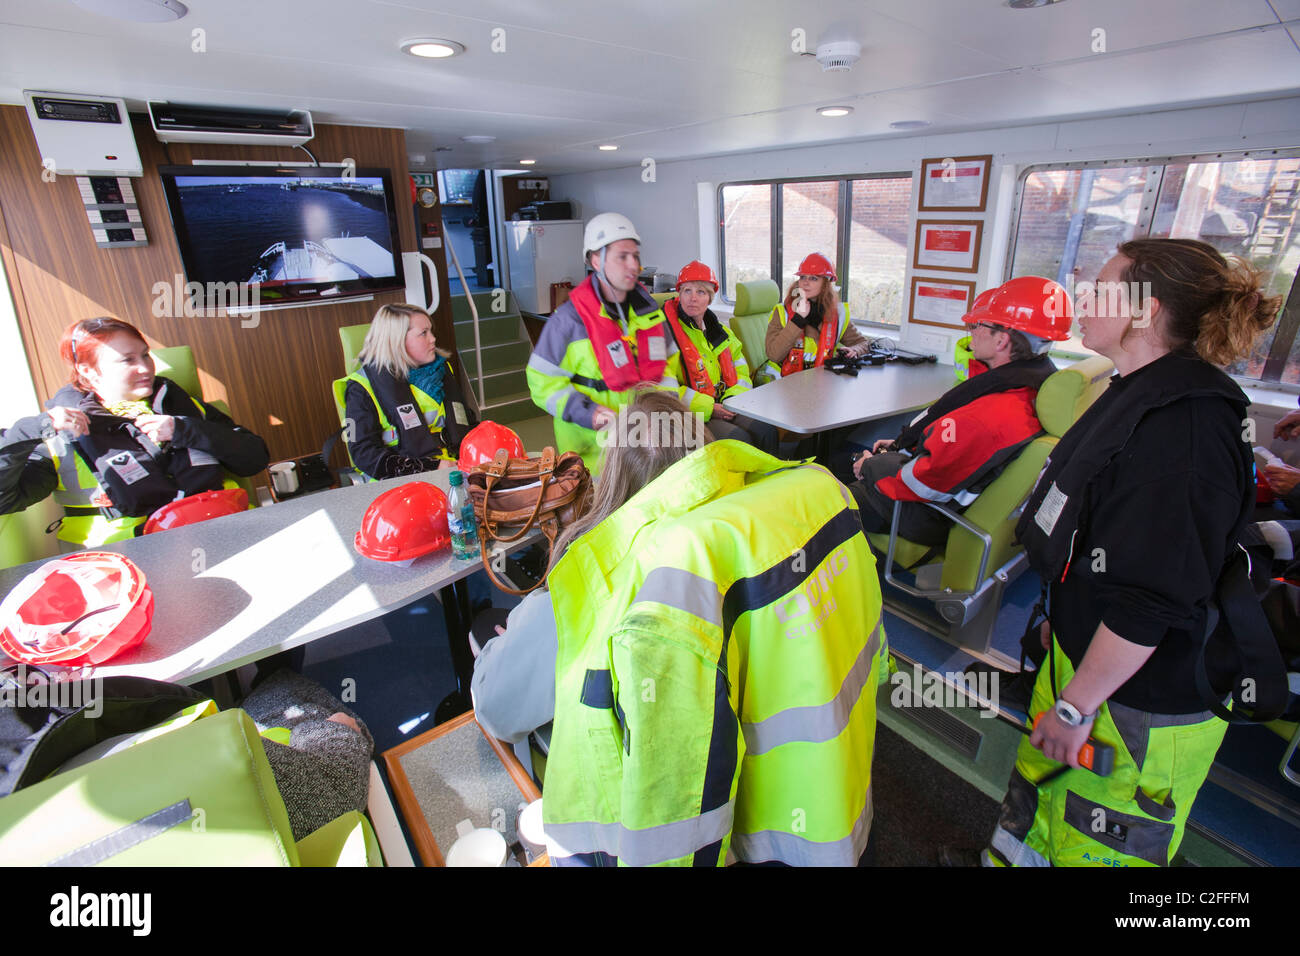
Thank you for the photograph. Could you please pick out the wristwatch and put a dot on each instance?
(1070, 715)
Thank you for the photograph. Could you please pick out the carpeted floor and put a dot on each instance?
(920, 806)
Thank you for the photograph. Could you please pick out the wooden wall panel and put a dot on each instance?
(275, 376)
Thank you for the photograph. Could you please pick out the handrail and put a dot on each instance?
(473, 310)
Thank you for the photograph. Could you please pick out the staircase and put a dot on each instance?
(505, 354)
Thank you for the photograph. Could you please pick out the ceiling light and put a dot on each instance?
(909, 124)
(527, 162)
(607, 147)
(478, 138)
(138, 11)
(835, 110)
(1030, 4)
(432, 47)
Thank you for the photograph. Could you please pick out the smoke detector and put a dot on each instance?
(839, 55)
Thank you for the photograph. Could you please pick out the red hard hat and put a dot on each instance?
(404, 522)
(195, 508)
(84, 608)
(816, 265)
(696, 271)
(1028, 304)
(484, 441)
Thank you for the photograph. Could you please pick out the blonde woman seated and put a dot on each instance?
(403, 402)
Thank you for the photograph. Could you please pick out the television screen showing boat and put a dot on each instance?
(291, 233)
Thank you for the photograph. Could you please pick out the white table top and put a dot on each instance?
(232, 590)
(816, 400)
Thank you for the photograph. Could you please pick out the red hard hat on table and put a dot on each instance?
(696, 271)
(1028, 304)
(484, 441)
(404, 522)
(816, 264)
(84, 608)
(195, 508)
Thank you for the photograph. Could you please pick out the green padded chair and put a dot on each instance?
(754, 304)
(177, 363)
(210, 793)
(980, 557)
(662, 297)
(351, 337)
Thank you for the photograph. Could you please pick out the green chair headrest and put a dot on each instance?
(758, 296)
(1067, 393)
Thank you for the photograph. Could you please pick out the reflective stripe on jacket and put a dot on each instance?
(715, 684)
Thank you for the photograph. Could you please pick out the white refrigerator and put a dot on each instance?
(540, 253)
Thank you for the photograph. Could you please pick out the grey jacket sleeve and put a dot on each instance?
(514, 677)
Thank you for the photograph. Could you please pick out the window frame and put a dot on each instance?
(845, 226)
(1288, 323)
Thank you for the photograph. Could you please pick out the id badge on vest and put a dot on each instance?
(127, 468)
(658, 350)
(618, 353)
(409, 416)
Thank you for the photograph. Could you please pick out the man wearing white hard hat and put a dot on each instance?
(608, 339)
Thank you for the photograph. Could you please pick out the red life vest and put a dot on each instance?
(697, 375)
(826, 341)
(618, 368)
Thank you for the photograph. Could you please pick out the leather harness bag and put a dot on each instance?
(512, 495)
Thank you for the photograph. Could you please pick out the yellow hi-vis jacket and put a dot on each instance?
(565, 379)
(715, 682)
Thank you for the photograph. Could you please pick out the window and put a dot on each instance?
(1072, 218)
(859, 223)
(746, 235)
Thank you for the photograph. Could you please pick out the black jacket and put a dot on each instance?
(1154, 527)
(27, 472)
(367, 448)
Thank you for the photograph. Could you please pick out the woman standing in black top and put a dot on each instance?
(1131, 524)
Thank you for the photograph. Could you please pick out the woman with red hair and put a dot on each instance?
(117, 442)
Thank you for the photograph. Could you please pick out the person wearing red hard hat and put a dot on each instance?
(811, 324)
(964, 440)
(713, 361)
(118, 442)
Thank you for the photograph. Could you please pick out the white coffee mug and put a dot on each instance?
(284, 477)
(529, 828)
(481, 847)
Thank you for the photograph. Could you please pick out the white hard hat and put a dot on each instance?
(606, 228)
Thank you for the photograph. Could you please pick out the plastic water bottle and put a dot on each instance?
(460, 518)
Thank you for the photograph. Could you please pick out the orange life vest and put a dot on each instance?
(618, 368)
(826, 342)
(697, 375)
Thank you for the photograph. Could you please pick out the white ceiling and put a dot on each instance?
(668, 79)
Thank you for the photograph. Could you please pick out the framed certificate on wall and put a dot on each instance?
(948, 245)
(940, 302)
(954, 184)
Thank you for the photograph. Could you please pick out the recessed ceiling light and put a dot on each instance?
(478, 138)
(527, 162)
(432, 47)
(1030, 4)
(607, 147)
(909, 124)
(139, 11)
(835, 110)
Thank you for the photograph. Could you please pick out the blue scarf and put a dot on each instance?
(429, 378)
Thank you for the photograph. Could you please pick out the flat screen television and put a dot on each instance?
(290, 234)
